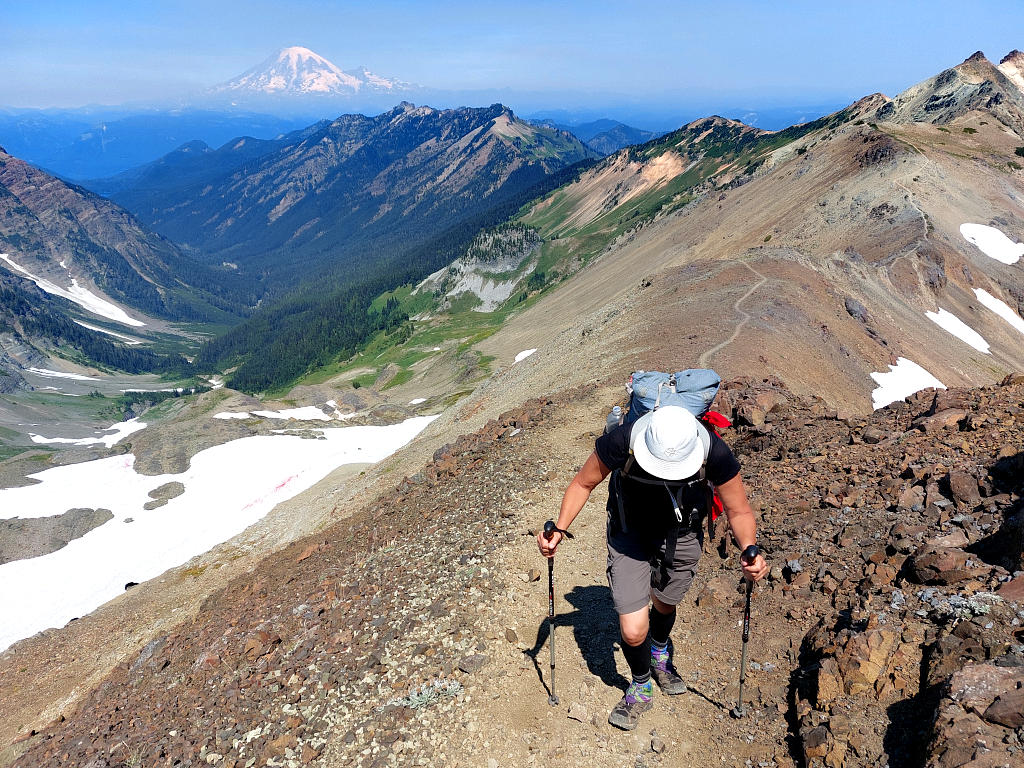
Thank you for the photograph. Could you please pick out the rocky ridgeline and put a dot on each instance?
(904, 533)
(360, 643)
(888, 633)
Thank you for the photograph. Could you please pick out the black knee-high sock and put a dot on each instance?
(639, 659)
(661, 625)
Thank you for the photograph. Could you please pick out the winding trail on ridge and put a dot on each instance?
(744, 317)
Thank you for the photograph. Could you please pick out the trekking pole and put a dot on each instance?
(748, 556)
(549, 531)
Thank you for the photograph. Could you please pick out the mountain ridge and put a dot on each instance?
(371, 163)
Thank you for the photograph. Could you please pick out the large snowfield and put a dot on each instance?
(227, 488)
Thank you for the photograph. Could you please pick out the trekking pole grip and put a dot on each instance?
(749, 554)
(549, 529)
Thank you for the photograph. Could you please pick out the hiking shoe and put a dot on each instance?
(664, 672)
(638, 699)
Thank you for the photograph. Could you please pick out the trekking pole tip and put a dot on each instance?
(553, 700)
(738, 712)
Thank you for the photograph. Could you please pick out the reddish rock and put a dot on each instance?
(941, 420)
(981, 705)
(309, 754)
(964, 487)
(942, 565)
(1012, 590)
(750, 415)
(911, 497)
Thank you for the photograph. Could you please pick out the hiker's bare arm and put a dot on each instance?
(742, 522)
(591, 474)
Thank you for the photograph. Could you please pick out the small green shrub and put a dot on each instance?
(1014, 166)
(1019, 151)
(970, 130)
(767, 238)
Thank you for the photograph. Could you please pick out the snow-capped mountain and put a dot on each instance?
(299, 72)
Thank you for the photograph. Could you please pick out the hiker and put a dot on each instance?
(657, 498)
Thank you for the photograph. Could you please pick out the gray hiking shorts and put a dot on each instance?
(638, 568)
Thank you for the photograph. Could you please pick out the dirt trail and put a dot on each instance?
(522, 729)
(702, 361)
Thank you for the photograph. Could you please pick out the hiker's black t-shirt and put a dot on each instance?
(647, 506)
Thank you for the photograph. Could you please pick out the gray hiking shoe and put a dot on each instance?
(638, 699)
(664, 672)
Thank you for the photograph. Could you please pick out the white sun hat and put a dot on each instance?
(669, 443)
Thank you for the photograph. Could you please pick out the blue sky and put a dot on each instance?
(63, 53)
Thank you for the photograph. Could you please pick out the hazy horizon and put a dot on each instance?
(650, 58)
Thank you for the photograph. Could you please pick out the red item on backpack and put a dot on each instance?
(715, 421)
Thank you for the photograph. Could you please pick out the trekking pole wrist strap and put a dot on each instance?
(550, 528)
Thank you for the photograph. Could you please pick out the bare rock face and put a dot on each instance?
(979, 717)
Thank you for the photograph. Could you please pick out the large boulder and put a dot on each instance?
(933, 564)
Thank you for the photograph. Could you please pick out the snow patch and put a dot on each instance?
(306, 413)
(954, 325)
(83, 297)
(127, 339)
(1001, 308)
(901, 381)
(227, 488)
(993, 243)
(523, 355)
(417, 401)
(120, 432)
(60, 375)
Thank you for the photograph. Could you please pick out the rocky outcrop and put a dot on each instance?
(980, 717)
(972, 85)
(21, 538)
(1012, 65)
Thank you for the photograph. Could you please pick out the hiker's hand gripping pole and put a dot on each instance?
(549, 532)
(750, 554)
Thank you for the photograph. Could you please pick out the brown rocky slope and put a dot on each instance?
(888, 633)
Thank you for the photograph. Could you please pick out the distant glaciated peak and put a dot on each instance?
(298, 71)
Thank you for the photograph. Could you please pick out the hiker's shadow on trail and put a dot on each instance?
(595, 629)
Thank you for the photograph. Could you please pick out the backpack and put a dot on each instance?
(693, 389)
